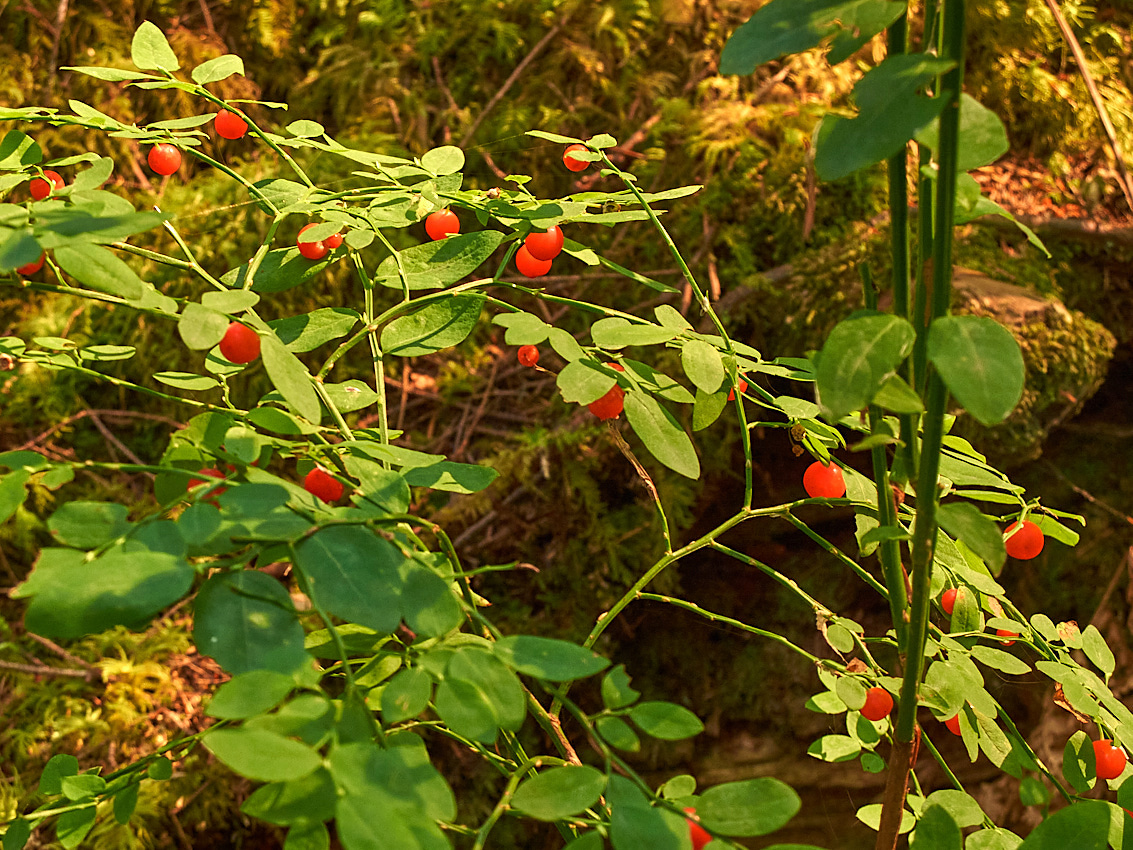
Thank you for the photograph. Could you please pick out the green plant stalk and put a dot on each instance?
(261, 252)
(829, 547)
(375, 346)
(936, 399)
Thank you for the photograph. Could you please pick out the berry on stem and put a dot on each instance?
(315, 250)
(948, 600)
(32, 267)
(214, 493)
(529, 266)
(953, 724)
(824, 481)
(1108, 759)
(732, 391)
(1007, 633)
(571, 161)
(696, 832)
(321, 483)
(164, 158)
(610, 405)
(544, 244)
(240, 344)
(442, 224)
(1025, 541)
(229, 125)
(878, 704)
(333, 241)
(528, 355)
(43, 186)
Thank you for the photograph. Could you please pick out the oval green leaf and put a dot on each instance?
(980, 362)
(560, 792)
(661, 434)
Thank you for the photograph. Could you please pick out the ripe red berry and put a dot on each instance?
(544, 244)
(528, 355)
(229, 125)
(32, 267)
(215, 492)
(610, 405)
(321, 483)
(41, 187)
(878, 704)
(732, 391)
(572, 162)
(696, 832)
(948, 600)
(164, 158)
(1108, 759)
(442, 224)
(953, 724)
(824, 481)
(240, 344)
(529, 266)
(311, 250)
(1026, 542)
(1007, 633)
(333, 241)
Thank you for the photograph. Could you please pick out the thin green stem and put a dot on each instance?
(829, 547)
(375, 346)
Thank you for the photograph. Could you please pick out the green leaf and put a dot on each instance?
(19, 831)
(1000, 660)
(82, 786)
(406, 695)
(438, 264)
(861, 21)
(260, 754)
(980, 362)
(125, 801)
(614, 332)
(963, 521)
(750, 807)
(58, 767)
(618, 734)
(559, 792)
(897, 396)
(396, 778)
(436, 326)
(584, 381)
(112, 75)
(850, 691)
(428, 604)
(201, 327)
(72, 597)
(871, 816)
(661, 434)
(983, 138)
(309, 798)
(160, 769)
(961, 806)
(703, 365)
(230, 301)
(936, 830)
(350, 395)
(245, 621)
(448, 159)
(98, 268)
(307, 836)
(707, 407)
(451, 476)
(479, 695)
(280, 270)
(88, 525)
(635, 825)
(1078, 762)
(1097, 650)
(891, 111)
(308, 331)
(834, 748)
(291, 378)
(249, 694)
(860, 355)
(666, 720)
(220, 68)
(522, 328)
(150, 51)
(353, 574)
(995, 838)
(616, 692)
(72, 827)
(547, 658)
(1084, 826)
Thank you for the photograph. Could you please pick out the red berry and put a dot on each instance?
(610, 405)
(529, 266)
(824, 481)
(953, 724)
(544, 244)
(32, 267)
(878, 704)
(41, 187)
(1109, 760)
(210, 473)
(311, 250)
(948, 600)
(229, 125)
(732, 391)
(241, 344)
(1007, 633)
(333, 241)
(442, 224)
(1026, 542)
(321, 483)
(571, 161)
(164, 158)
(696, 832)
(528, 355)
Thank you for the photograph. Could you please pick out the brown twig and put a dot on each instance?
(44, 670)
(114, 441)
(1089, 497)
(124, 414)
(511, 80)
(1095, 96)
(467, 436)
(60, 651)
